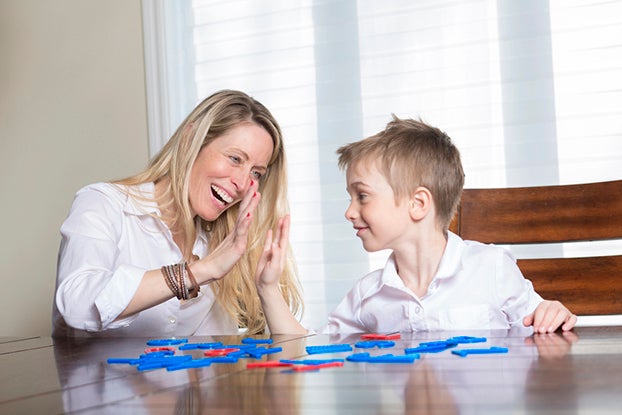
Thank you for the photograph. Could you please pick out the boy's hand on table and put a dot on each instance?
(549, 316)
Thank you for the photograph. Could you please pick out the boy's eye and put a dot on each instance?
(235, 159)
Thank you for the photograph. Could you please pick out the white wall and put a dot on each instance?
(72, 111)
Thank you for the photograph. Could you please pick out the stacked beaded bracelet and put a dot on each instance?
(181, 281)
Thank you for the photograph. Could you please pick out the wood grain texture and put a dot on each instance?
(554, 214)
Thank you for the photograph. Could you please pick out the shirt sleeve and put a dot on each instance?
(92, 288)
(516, 293)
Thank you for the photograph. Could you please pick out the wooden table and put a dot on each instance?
(574, 373)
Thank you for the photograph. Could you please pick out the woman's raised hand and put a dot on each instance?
(222, 259)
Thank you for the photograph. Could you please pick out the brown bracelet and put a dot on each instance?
(175, 278)
(195, 288)
(169, 277)
(181, 281)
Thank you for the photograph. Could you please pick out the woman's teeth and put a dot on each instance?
(221, 194)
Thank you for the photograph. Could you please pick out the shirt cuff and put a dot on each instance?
(116, 296)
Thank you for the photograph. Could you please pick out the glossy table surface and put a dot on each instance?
(572, 373)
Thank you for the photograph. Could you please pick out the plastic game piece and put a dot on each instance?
(439, 343)
(223, 359)
(154, 355)
(330, 348)
(491, 350)
(160, 349)
(306, 368)
(194, 346)
(166, 342)
(370, 344)
(310, 361)
(267, 364)
(467, 339)
(387, 358)
(376, 336)
(431, 347)
(162, 362)
(250, 340)
(257, 352)
(219, 352)
(395, 359)
(121, 360)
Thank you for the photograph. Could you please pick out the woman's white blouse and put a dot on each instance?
(109, 240)
(477, 286)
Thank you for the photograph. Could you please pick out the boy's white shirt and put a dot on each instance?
(477, 286)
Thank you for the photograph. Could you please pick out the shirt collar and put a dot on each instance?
(141, 207)
(452, 257)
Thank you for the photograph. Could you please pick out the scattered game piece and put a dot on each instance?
(219, 352)
(250, 340)
(387, 358)
(376, 336)
(160, 349)
(194, 346)
(431, 347)
(311, 361)
(307, 368)
(491, 350)
(330, 348)
(166, 342)
(267, 364)
(369, 344)
(161, 362)
(467, 339)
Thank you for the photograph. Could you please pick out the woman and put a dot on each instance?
(137, 255)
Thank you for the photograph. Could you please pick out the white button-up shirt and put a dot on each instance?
(109, 241)
(477, 286)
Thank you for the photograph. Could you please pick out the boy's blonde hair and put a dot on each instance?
(410, 153)
(209, 120)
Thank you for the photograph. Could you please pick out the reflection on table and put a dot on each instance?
(569, 373)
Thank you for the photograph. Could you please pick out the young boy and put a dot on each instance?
(405, 184)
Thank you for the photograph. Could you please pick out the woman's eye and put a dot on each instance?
(256, 174)
(235, 159)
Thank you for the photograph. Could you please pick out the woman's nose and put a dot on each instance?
(241, 180)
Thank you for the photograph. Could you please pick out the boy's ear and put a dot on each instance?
(420, 203)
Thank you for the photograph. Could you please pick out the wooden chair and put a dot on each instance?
(554, 214)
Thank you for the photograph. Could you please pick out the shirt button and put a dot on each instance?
(418, 310)
(172, 320)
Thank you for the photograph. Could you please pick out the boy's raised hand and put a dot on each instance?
(272, 261)
(267, 276)
(549, 316)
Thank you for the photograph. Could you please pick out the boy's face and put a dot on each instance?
(378, 221)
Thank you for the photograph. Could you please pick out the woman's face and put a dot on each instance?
(222, 173)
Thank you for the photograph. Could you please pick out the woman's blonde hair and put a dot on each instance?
(410, 153)
(213, 117)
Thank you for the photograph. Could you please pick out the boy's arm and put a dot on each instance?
(549, 316)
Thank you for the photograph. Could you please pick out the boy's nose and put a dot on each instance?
(350, 213)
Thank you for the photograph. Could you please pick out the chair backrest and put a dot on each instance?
(554, 214)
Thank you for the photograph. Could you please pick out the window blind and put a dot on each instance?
(530, 92)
